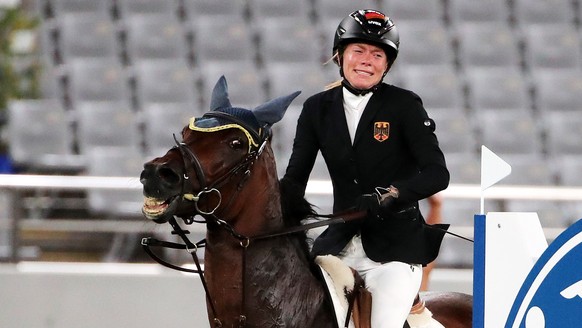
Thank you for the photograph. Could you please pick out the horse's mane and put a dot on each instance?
(294, 206)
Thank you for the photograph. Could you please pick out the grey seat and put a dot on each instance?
(529, 12)
(507, 85)
(40, 137)
(337, 10)
(219, 9)
(165, 80)
(557, 90)
(288, 40)
(127, 8)
(106, 124)
(528, 169)
(568, 168)
(259, 9)
(464, 168)
(60, 7)
(413, 10)
(438, 86)
(510, 133)
(488, 44)
(285, 78)
(563, 133)
(454, 131)
(87, 35)
(115, 162)
(466, 11)
(564, 51)
(155, 36)
(91, 79)
(426, 43)
(246, 83)
(161, 122)
(232, 42)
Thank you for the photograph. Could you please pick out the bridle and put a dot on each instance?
(193, 167)
(190, 160)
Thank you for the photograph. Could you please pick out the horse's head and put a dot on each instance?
(220, 153)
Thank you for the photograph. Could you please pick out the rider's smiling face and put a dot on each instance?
(364, 65)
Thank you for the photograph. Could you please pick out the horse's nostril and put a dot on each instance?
(168, 176)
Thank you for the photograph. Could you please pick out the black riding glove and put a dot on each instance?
(378, 203)
(369, 203)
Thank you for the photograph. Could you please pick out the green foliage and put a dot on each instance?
(19, 72)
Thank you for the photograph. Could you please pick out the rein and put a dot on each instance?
(191, 160)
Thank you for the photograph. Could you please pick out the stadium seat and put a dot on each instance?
(165, 80)
(115, 162)
(453, 130)
(438, 86)
(413, 10)
(234, 41)
(285, 78)
(557, 89)
(488, 44)
(87, 35)
(91, 79)
(106, 124)
(61, 7)
(509, 133)
(261, 9)
(151, 36)
(467, 11)
(41, 138)
(497, 89)
(338, 10)
(161, 122)
(288, 40)
(246, 83)
(127, 8)
(465, 168)
(528, 12)
(222, 10)
(564, 52)
(528, 169)
(563, 133)
(426, 43)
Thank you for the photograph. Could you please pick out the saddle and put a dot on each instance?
(352, 301)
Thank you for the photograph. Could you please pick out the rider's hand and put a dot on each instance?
(369, 203)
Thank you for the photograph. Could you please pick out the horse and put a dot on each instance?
(224, 171)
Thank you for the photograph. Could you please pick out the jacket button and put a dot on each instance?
(356, 181)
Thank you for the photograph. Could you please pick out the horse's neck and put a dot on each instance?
(277, 280)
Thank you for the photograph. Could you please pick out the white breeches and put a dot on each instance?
(393, 285)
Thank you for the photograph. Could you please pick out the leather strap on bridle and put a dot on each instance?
(244, 242)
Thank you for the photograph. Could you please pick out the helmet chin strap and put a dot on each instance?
(359, 92)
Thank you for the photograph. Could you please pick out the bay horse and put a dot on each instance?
(224, 171)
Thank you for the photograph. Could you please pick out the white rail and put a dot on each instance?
(16, 183)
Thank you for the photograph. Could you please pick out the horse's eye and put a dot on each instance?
(237, 144)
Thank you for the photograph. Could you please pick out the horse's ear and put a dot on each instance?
(219, 97)
(273, 111)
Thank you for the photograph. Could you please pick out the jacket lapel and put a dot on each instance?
(368, 115)
(339, 118)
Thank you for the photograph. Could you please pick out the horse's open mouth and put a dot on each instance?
(157, 209)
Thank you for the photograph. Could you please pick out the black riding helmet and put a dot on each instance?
(368, 26)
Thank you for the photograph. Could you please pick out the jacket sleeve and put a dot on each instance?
(305, 147)
(422, 141)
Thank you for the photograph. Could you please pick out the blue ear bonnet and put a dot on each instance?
(255, 123)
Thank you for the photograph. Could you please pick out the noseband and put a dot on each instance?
(190, 160)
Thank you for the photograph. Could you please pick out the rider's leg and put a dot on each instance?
(394, 285)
